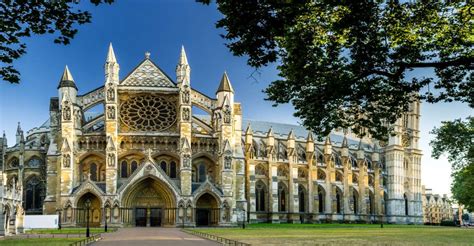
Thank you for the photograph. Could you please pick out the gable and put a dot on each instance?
(147, 74)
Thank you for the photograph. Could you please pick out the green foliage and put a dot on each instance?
(345, 63)
(22, 18)
(456, 139)
(463, 186)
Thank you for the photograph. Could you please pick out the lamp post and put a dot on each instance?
(88, 205)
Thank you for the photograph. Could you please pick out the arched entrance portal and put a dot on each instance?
(150, 203)
(207, 210)
(95, 211)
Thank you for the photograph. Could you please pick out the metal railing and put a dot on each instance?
(86, 240)
(218, 239)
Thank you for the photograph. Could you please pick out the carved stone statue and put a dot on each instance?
(227, 114)
(186, 113)
(111, 159)
(66, 160)
(186, 96)
(111, 112)
(110, 94)
(66, 112)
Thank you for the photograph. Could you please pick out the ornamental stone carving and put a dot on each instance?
(66, 160)
(186, 114)
(110, 93)
(66, 111)
(111, 159)
(110, 112)
(148, 113)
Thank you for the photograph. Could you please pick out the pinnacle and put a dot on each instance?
(111, 54)
(225, 84)
(67, 76)
(183, 59)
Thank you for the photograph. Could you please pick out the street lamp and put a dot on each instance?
(88, 205)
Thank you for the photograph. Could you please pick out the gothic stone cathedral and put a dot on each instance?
(147, 160)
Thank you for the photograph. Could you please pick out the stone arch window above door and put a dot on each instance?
(203, 169)
(93, 168)
(169, 166)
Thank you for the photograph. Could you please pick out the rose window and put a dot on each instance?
(148, 113)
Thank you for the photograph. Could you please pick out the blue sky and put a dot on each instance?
(161, 27)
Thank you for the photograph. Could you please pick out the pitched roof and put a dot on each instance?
(147, 74)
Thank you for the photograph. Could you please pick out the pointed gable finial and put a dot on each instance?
(183, 59)
(328, 140)
(225, 84)
(361, 147)
(66, 79)
(270, 132)
(18, 129)
(147, 55)
(111, 55)
(248, 131)
(344, 142)
(291, 135)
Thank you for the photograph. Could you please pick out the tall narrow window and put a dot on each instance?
(173, 170)
(33, 199)
(406, 204)
(371, 204)
(123, 169)
(356, 209)
(93, 171)
(133, 167)
(163, 166)
(338, 202)
(321, 201)
(301, 198)
(194, 174)
(260, 190)
(202, 173)
(281, 199)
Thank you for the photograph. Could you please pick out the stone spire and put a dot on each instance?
(111, 55)
(183, 59)
(19, 134)
(360, 150)
(225, 84)
(345, 147)
(328, 146)
(67, 80)
(183, 70)
(310, 142)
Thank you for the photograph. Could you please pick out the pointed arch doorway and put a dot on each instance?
(151, 203)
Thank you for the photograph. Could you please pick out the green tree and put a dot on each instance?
(456, 139)
(22, 18)
(463, 185)
(346, 63)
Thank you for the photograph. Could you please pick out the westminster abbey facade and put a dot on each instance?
(147, 160)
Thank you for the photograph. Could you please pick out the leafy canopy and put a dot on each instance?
(463, 185)
(22, 18)
(346, 63)
(456, 139)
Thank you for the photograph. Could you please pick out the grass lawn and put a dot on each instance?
(68, 231)
(346, 234)
(40, 241)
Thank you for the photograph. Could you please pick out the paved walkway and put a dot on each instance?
(151, 236)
